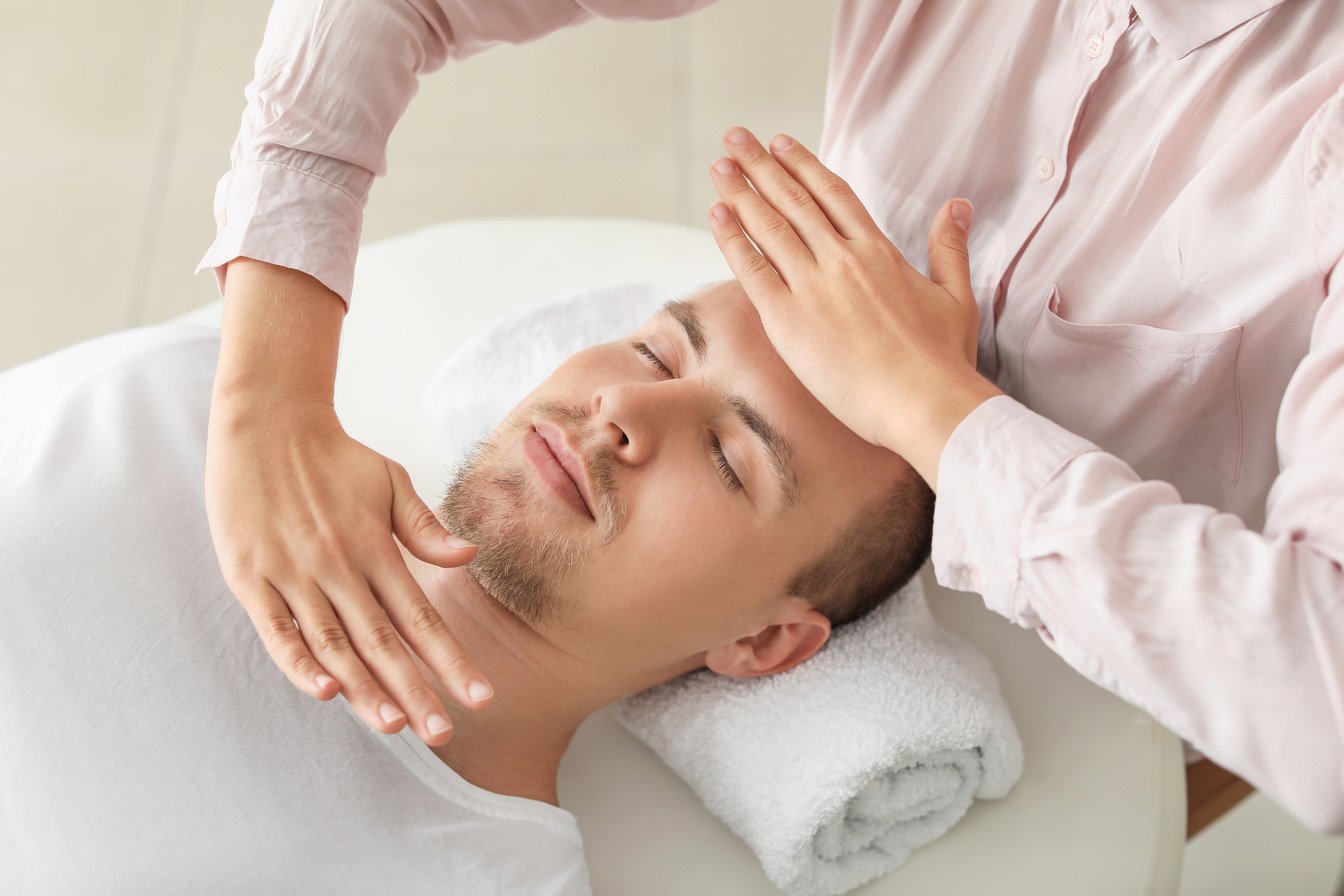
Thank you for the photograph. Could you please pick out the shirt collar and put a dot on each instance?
(1182, 26)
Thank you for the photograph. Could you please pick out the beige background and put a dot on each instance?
(118, 121)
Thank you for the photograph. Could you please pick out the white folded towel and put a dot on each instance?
(832, 772)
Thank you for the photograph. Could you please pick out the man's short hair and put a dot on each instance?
(876, 555)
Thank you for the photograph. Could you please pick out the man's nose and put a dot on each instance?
(631, 419)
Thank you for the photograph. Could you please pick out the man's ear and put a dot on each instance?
(795, 634)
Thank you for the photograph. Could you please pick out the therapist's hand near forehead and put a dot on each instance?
(1125, 380)
(888, 351)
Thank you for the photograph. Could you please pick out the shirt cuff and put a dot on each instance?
(993, 465)
(276, 213)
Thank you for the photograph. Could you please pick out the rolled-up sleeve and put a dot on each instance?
(331, 80)
(1230, 637)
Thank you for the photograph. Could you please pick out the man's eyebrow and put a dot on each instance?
(777, 448)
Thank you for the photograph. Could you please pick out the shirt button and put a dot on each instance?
(1045, 168)
(1094, 45)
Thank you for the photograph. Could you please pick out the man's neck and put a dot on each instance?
(542, 693)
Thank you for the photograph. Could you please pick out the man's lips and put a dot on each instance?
(559, 465)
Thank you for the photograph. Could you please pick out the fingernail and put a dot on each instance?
(390, 713)
(738, 135)
(479, 690)
(455, 541)
(962, 212)
(436, 723)
(724, 166)
(781, 142)
(323, 681)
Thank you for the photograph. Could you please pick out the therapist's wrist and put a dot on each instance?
(921, 431)
(279, 339)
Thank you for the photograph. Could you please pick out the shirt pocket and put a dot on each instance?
(1166, 402)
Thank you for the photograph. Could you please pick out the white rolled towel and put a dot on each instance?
(832, 772)
(836, 770)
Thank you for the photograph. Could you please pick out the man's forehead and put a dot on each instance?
(720, 307)
(724, 296)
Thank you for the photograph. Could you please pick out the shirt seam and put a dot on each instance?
(1308, 155)
(480, 804)
(1028, 510)
(1170, 354)
(297, 170)
(441, 778)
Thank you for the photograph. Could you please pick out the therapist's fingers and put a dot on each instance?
(274, 621)
(382, 679)
(427, 633)
(778, 187)
(328, 638)
(761, 282)
(418, 622)
(772, 233)
(833, 193)
(416, 526)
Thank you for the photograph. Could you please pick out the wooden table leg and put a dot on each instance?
(1210, 792)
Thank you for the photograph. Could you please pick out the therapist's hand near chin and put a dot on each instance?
(303, 516)
(888, 351)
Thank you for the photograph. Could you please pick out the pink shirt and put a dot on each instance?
(1159, 199)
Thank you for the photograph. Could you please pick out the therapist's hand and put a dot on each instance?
(890, 352)
(303, 516)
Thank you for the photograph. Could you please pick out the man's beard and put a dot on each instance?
(522, 557)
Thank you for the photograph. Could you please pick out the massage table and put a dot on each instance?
(1100, 807)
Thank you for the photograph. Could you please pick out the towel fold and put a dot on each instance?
(832, 772)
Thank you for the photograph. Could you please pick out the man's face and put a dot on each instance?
(680, 558)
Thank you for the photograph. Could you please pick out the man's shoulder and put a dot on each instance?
(108, 396)
(183, 343)
(162, 354)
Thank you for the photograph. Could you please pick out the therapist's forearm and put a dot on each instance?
(920, 435)
(279, 340)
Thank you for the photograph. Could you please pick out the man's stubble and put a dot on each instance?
(523, 555)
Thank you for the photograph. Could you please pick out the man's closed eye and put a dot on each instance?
(721, 460)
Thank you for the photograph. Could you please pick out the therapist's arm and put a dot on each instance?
(299, 513)
(1232, 638)
(331, 81)
(289, 495)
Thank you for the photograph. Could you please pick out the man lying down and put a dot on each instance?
(149, 745)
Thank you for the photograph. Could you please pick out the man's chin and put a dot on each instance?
(521, 555)
(522, 588)
(503, 598)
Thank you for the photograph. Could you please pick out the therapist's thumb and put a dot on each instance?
(949, 259)
(416, 526)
